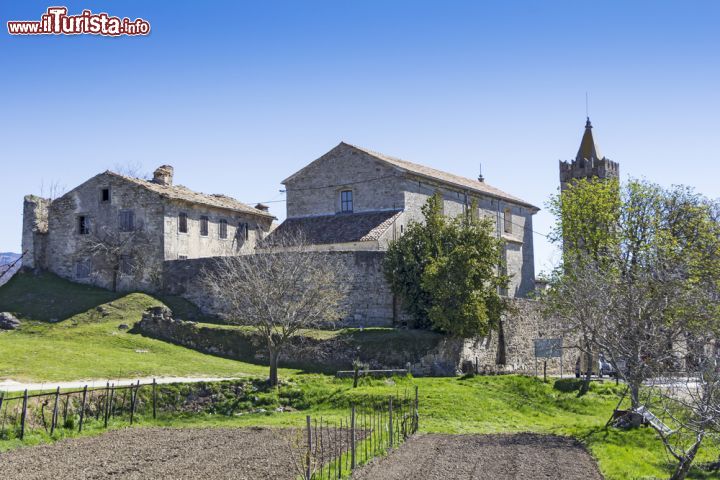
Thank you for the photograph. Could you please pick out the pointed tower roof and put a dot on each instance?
(588, 148)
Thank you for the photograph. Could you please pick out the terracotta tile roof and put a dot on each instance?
(441, 176)
(340, 228)
(179, 192)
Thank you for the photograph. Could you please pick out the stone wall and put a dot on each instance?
(69, 253)
(425, 353)
(34, 233)
(369, 304)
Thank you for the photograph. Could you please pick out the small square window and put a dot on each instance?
(346, 201)
(222, 231)
(204, 226)
(83, 225)
(105, 195)
(182, 223)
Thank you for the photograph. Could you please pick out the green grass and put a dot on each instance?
(84, 344)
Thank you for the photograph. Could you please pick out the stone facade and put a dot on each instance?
(377, 183)
(116, 231)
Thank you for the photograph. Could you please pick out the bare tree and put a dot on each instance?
(133, 169)
(689, 411)
(282, 289)
(116, 253)
(8, 270)
(52, 190)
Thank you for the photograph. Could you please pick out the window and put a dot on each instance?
(204, 222)
(346, 201)
(508, 221)
(182, 257)
(126, 220)
(243, 231)
(105, 195)
(126, 264)
(222, 231)
(82, 269)
(83, 225)
(182, 223)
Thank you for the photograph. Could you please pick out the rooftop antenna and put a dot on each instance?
(480, 176)
(587, 108)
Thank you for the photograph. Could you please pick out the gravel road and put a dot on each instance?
(490, 457)
(156, 453)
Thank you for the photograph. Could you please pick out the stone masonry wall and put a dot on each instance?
(34, 233)
(370, 302)
(425, 354)
(68, 252)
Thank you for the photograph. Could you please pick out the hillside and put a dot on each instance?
(8, 262)
(70, 332)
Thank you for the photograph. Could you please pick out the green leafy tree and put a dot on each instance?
(446, 272)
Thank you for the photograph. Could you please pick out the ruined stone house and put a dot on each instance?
(117, 231)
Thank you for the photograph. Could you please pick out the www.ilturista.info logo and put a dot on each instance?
(57, 22)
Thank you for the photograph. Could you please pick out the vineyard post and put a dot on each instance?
(24, 415)
(390, 419)
(82, 408)
(53, 421)
(352, 438)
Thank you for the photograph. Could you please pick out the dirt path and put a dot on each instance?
(156, 453)
(491, 457)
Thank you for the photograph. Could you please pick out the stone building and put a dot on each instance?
(354, 199)
(588, 163)
(116, 231)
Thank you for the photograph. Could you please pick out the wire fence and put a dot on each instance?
(49, 412)
(326, 450)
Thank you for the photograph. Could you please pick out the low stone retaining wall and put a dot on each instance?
(423, 353)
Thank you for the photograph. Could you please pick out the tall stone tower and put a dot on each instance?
(588, 163)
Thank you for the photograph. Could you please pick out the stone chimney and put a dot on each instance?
(262, 207)
(163, 175)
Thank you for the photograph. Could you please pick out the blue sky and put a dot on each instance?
(238, 95)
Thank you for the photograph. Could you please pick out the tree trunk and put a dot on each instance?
(274, 354)
(684, 466)
(116, 271)
(588, 374)
(635, 396)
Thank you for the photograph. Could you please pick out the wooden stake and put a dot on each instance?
(82, 408)
(24, 415)
(53, 421)
(390, 420)
(352, 438)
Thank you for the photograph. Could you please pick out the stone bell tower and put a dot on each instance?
(588, 163)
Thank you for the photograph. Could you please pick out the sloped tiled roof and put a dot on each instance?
(429, 173)
(446, 177)
(339, 228)
(179, 192)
